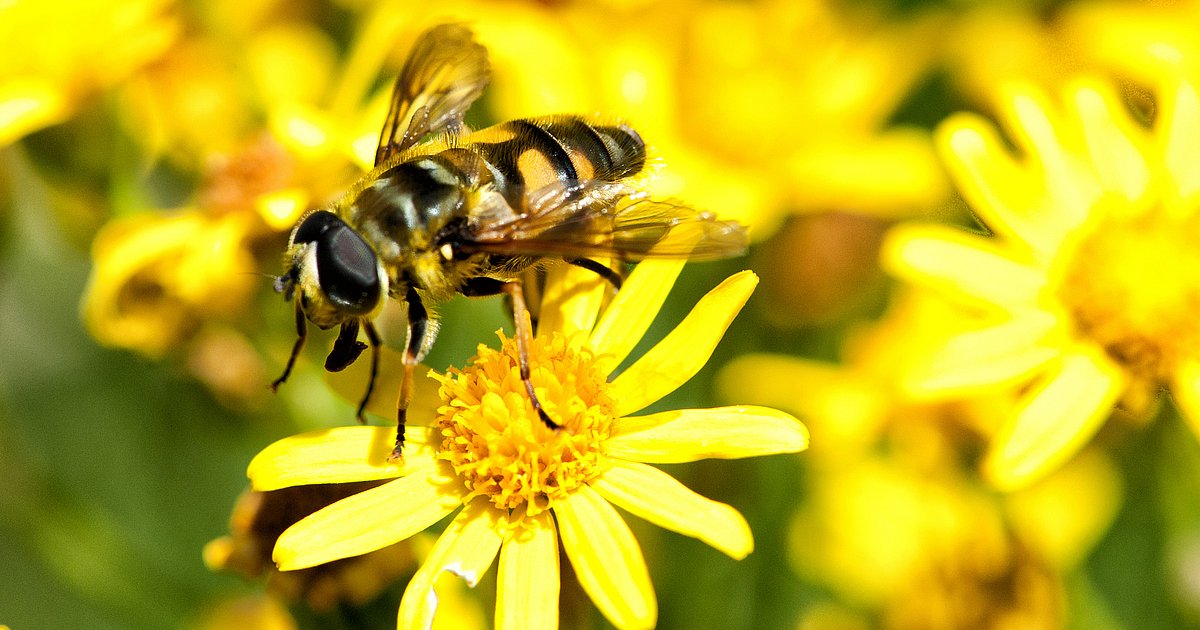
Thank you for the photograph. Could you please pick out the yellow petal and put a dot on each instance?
(367, 521)
(1056, 419)
(572, 299)
(626, 319)
(1063, 516)
(657, 497)
(687, 435)
(684, 350)
(1177, 127)
(466, 548)
(338, 455)
(983, 360)
(1039, 129)
(607, 559)
(1185, 389)
(1114, 147)
(1008, 197)
(27, 105)
(528, 584)
(962, 265)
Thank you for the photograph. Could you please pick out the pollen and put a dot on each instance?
(496, 442)
(1134, 288)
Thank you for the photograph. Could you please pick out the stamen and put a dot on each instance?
(1134, 288)
(494, 439)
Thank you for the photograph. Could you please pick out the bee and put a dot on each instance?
(448, 211)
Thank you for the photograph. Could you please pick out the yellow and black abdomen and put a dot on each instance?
(528, 154)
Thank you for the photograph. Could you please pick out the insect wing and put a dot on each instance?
(445, 73)
(598, 218)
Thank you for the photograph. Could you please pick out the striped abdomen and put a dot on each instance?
(525, 155)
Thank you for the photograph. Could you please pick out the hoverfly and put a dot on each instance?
(449, 211)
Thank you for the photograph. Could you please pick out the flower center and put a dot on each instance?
(495, 440)
(1134, 288)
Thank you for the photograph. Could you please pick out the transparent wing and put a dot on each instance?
(446, 72)
(594, 218)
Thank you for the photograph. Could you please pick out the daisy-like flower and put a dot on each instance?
(519, 487)
(1089, 286)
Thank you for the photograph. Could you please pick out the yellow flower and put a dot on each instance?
(1089, 288)
(522, 486)
(257, 520)
(945, 552)
(892, 479)
(159, 276)
(156, 277)
(62, 52)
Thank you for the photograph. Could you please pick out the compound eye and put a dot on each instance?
(314, 225)
(346, 266)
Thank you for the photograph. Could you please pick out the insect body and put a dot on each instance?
(471, 212)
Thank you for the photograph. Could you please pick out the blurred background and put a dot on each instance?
(154, 155)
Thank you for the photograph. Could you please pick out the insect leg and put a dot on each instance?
(603, 271)
(373, 338)
(301, 335)
(418, 325)
(524, 340)
(346, 349)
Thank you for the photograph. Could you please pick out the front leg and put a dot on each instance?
(515, 291)
(418, 329)
(301, 335)
(524, 341)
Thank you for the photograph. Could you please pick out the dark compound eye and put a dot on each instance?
(346, 265)
(314, 225)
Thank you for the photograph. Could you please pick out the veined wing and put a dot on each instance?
(596, 218)
(445, 73)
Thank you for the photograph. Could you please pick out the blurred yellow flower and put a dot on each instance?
(59, 53)
(852, 404)
(260, 517)
(993, 44)
(921, 545)
(156, 278)
(521, 485)
(260, 612)
(1139, 41)
(265, 151)
(895, 522)
(1089, 287)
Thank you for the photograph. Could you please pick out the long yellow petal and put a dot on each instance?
(1011, 197)
(337, 455)
(528, 584)
(1177, 127)
(367, 521)
(986, 359)
(1039, 128)
(607, 559)
(684, 350)
(572, 299)
(723, 432)
(1008, 196)
(657, 497)
(1116, 149)
(963, 265)
(630, 314)
(27, 105)
(1056, 419)
(467, 548)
